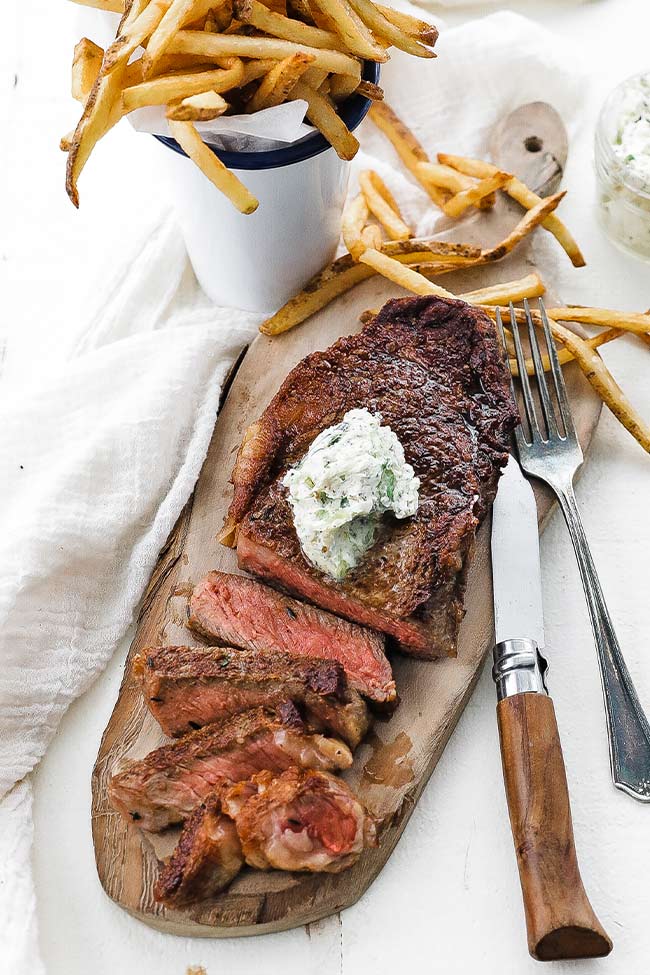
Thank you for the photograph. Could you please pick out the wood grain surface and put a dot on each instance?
(395, 761)
(559, 918)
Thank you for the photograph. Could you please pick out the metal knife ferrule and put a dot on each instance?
(519, 668)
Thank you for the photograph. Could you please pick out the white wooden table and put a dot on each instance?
(448, 901)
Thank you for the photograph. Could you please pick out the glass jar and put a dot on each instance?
(622, 169)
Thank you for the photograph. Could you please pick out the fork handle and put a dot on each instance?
(627, 726)
(560, 921)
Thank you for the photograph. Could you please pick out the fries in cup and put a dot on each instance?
(260, 53)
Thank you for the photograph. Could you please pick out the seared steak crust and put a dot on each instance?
(234, 610)
(188, 687)
(163, 788)
(433, 369)
(206, 859)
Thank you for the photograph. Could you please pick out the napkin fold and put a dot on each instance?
(99, 458)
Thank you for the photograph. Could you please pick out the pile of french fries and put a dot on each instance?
(204, 58)
(379, 241)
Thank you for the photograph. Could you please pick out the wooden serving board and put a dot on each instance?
(394, 763)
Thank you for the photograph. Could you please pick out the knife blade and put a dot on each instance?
(560, 921)
(517, 580)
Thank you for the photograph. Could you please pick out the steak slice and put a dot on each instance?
(163, 788)
(188, 687)
(207, 858)
(300, 820)
(245, 613)
(434, 370)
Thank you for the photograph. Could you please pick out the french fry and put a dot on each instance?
(323, 116)
(169, 88)
(402, 275)
(178, 13)
(214, 46)
(114, 6)
(102, 109)
(86, 63)
(370, 90)
(371, 237)
(280, 80)
(99, 115)
(423, 31)
(443, 176)
(563, 354)
(342, 86)
(357, 37)
(382, 27)
(65, 142)
(277, 6)
(334, 280)
(132, 10)
(382, 206)
(301, 9)
(436, 175)
(319, 291)
(530, 220)
(134, 33)
(523, 195)
(407, 147)
(257, 15)
(474, 194)
(209, 163)
(531, 286)
(256, 69)
(198, 108)
(477, 168)
(444, 249)
(378, 185)
(516, 290)
(213, 24)
(597, 373)
(626, 320)
(315, 77)
(520, 192)
(355, 215)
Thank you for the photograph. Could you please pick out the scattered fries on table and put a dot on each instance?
(205, 58)
(455, 183)
(260, 53)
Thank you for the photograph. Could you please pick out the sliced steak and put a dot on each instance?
(433, 369)
(245, 613)
(207, 858)
(164, 787)
(188, 687)
(301, 820)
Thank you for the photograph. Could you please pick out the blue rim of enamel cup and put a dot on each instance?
(352, 112)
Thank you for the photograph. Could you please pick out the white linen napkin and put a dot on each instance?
(100, 457)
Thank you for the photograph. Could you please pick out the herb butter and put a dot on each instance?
(622, 159)
(631, 144)
(353, 473)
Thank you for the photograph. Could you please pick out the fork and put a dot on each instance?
(552, 454)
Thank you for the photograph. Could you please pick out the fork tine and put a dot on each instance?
(544, 398)
(529, 403)
(558, 378)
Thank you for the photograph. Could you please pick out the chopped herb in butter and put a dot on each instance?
(351, 475)
(631, 144)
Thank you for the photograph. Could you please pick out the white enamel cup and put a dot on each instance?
(257, 261)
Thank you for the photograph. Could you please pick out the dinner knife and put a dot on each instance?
(559, 918)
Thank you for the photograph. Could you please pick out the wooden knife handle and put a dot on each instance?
(559, 918)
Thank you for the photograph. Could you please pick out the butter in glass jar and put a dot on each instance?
(622, 160)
